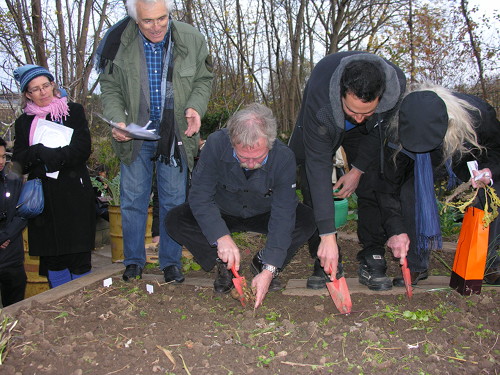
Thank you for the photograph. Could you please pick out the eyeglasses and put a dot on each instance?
(243, 159)
(162, 21)
(36, 90)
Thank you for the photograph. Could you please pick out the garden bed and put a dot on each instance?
(185, 329)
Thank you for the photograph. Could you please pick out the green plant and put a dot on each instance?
(151, 266)
(189, 264)
(272, 316)
(63, 314)
(104, 155)
(213, 120)
(393, 313)
(352, 202)
(108, 188)
(6, 327)
(450, 220)
(264, 361)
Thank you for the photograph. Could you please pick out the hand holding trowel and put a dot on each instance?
(340, 294)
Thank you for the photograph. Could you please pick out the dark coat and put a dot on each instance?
(396, 191)
(319, 130)
(67, 223)
(11, 226)
(220, 186)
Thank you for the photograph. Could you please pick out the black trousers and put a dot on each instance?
(371, 234)
(183, 228)
(77, 264)
(12, 284)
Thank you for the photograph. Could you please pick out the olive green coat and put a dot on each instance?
(125, 97)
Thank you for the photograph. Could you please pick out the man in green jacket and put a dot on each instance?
(157, 72)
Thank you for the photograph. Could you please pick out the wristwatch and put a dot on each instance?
(274, 270)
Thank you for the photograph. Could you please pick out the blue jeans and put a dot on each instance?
(135, 193)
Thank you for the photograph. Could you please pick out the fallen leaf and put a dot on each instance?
(168, 353)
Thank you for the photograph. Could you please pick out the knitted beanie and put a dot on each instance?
(24, 74)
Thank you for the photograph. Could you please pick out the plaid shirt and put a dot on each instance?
(154, 60)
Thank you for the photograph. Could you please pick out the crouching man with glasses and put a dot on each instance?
(243, 181)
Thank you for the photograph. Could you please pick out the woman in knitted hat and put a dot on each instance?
(63, 234)
(435, 134)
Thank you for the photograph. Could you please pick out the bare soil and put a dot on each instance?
(181, 329)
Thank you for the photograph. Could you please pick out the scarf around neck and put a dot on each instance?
(57, 109)
(426, 211)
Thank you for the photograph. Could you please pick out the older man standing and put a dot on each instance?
(155, 71)
(243, 181)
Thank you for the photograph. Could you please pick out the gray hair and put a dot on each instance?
(460, 121)
(251, 123)
(132, 6)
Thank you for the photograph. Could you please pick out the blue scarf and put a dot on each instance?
(453, 179)
(428, 228)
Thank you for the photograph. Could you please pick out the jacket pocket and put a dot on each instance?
(188, 71)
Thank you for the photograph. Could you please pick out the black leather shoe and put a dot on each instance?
(256, 268)
(173, 274)
(132, 271)
(415, 278)
(319, 278)
(371, 273)
(275, 285)
(224, 280)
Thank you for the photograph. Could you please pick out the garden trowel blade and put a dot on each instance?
(407, 278)
(239, 284)
(340, 294)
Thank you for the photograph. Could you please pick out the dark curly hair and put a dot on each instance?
(364, 79)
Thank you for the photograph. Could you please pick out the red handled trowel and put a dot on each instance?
(407, 278)
(340, 294)
(240, 284)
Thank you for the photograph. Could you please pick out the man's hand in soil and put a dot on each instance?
(349, 183)
(328, 254)
(228, 252)
(260, 284)
(399, 244)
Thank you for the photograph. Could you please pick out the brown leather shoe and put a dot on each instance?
(415, 278)
(492, 276)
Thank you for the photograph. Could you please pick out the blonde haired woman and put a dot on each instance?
(435, 134)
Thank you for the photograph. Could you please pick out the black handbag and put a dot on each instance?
(31, 201)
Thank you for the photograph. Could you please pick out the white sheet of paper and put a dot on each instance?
(472, 166)
(149, 288)
(53, 135)
(133, 130)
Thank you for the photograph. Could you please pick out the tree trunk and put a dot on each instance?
(474, 46)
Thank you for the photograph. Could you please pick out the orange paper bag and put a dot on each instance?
(470, 257)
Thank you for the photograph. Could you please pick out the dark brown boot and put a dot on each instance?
(492, 276)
